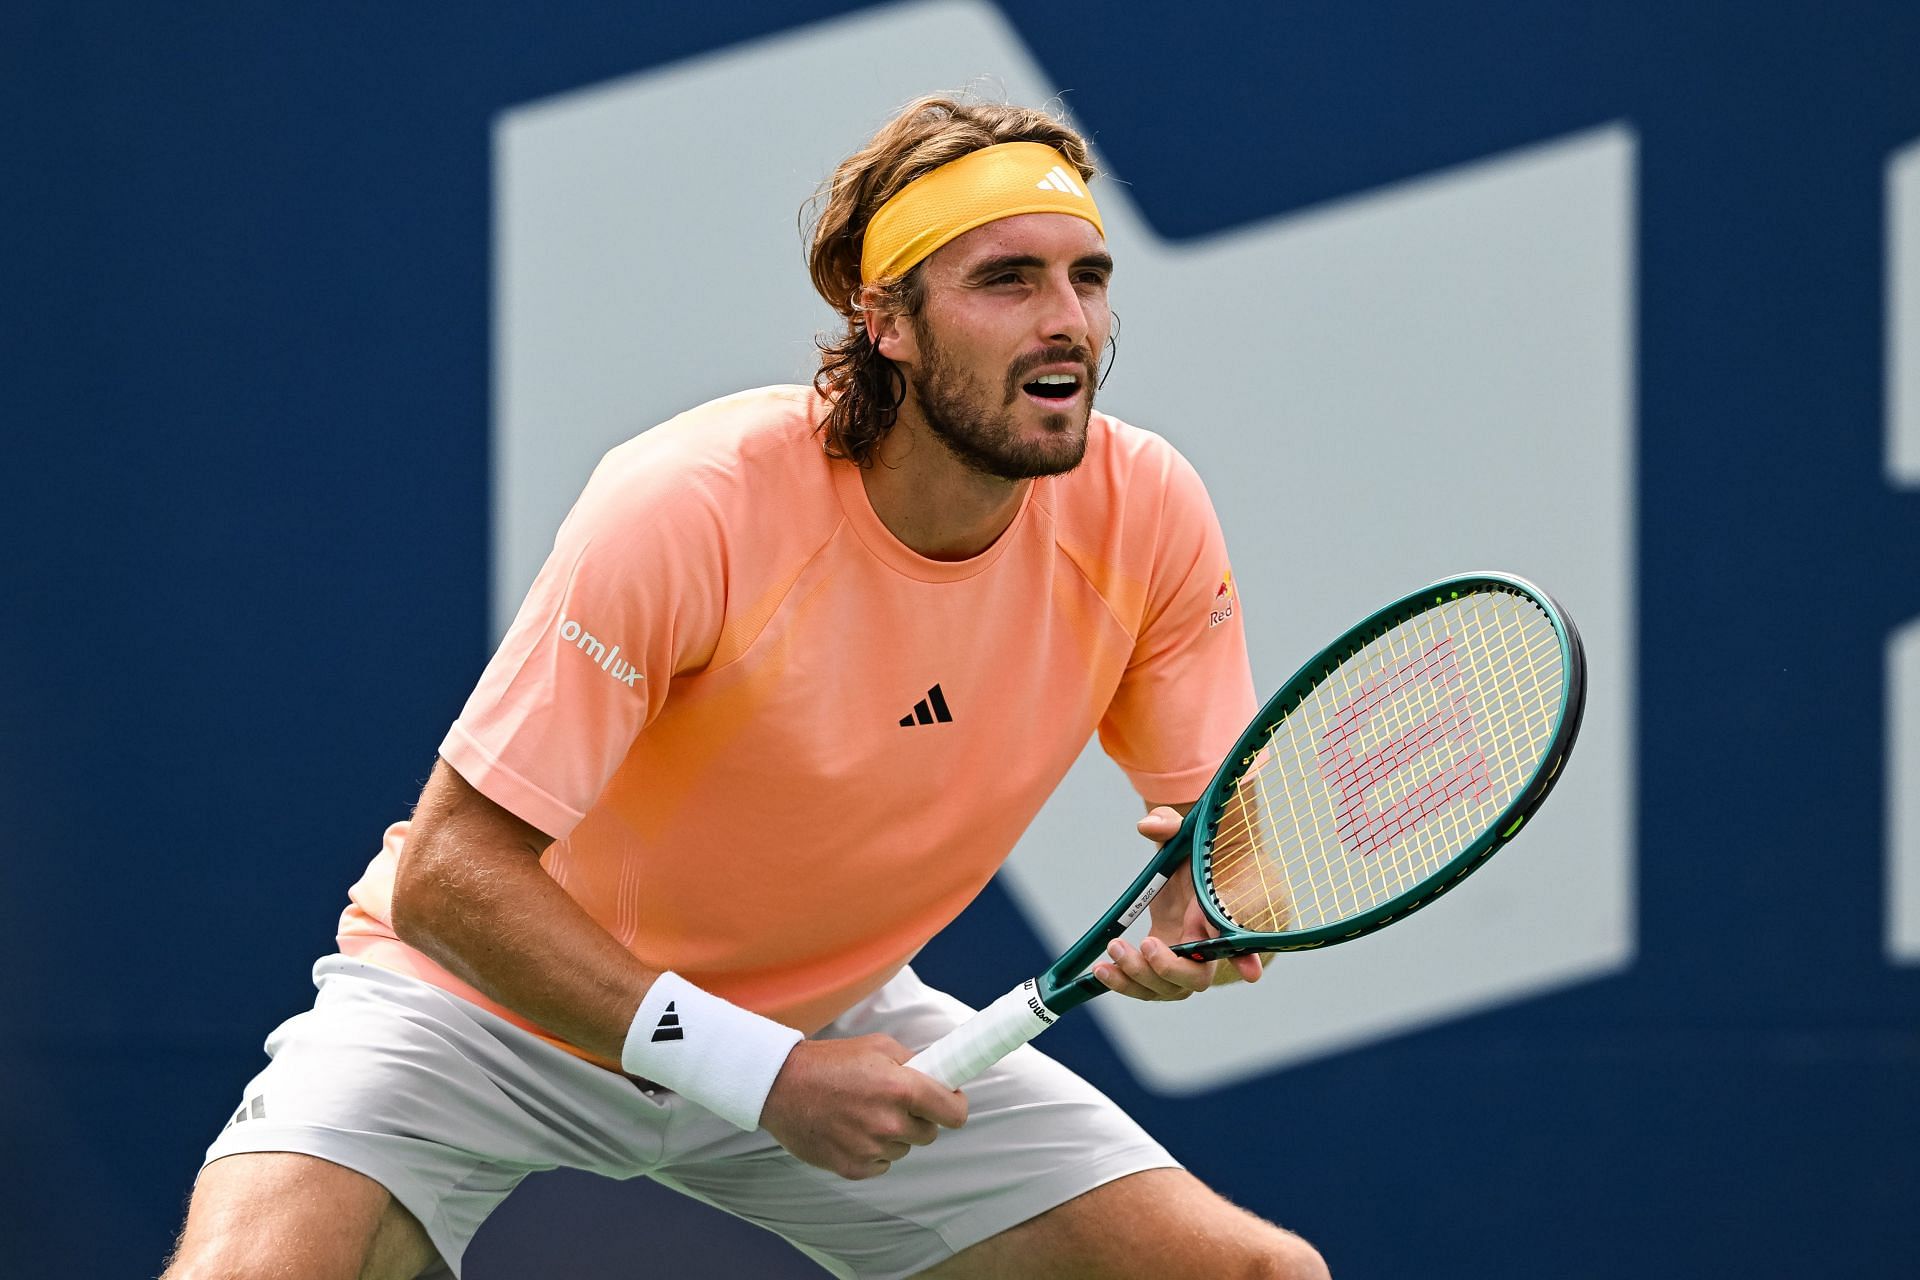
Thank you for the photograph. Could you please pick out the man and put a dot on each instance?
(802, 666)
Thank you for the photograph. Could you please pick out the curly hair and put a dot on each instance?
(864, 389)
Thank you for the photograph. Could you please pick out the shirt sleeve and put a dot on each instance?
(1187, 692)
(632, 593)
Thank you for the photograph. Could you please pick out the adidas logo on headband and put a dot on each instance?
(978, 188)
(1059, 179)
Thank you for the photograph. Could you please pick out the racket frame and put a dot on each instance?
(1066, 984)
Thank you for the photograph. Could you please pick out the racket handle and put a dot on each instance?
(986, 1037)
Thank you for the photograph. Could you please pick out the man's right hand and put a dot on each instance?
(853, 1107)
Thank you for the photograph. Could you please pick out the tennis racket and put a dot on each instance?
(1389, 767)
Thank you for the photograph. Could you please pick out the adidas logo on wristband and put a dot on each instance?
(729, 1068)
(668, 1028)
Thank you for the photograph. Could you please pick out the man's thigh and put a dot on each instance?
(275, 1212)
(439, 1104)
(1163, 1224)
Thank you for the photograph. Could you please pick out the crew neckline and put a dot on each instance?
(897, 555)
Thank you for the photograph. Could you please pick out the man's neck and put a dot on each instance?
(930, 500)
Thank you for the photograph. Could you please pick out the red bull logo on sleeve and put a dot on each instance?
(1222, 601)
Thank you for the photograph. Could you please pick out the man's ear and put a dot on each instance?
(889, 331)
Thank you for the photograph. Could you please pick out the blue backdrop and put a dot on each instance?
(245, 282)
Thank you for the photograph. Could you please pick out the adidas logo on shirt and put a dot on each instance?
(1060, 180)
(928, 710)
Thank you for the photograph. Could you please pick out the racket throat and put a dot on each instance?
(1055, 986)
(1060, 996)
(1141, 902)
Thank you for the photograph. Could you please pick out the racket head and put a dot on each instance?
(1395, 761)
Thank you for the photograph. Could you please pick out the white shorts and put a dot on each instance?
(448, 1107)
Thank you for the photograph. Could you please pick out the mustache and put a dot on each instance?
(1022, 369)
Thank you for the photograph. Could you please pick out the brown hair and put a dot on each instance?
(863, 388)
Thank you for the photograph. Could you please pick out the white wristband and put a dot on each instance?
(705, 1049)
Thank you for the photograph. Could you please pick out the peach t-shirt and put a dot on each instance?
(778, 750)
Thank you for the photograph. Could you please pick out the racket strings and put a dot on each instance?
(1391, 766)
(1386, 878)
(1390, 769)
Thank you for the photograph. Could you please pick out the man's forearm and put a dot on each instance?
(470, 893)
(519, 939)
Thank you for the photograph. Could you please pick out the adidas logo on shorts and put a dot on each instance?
(254, 1108)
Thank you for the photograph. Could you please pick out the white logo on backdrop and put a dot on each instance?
(1903, 470)
(1434, 377)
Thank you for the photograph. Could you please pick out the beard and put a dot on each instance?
(980, 428)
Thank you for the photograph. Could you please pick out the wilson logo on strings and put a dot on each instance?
(1440, 749)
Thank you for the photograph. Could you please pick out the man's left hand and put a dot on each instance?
(1152, 971)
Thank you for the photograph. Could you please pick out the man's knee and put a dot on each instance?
(1160, 1222)
(1254, 1249)
(1243, 1244)
(278, 1213)
(1294, 1259)
(219, 1260)
(224, 1253)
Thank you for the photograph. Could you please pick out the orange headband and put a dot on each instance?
(980, 187)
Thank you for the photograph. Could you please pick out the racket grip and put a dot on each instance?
(986, 1037)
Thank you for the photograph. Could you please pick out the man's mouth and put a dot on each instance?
(1053, 386)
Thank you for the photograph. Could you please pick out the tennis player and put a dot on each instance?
(802, 666)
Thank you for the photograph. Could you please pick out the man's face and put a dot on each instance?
(1001, 359)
